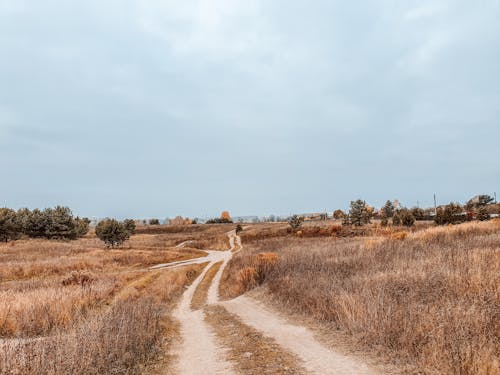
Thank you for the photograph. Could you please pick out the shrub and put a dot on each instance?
(295, 222)
(384, 222)
(112, 232)
(154, 222)
(239, 228)
(396, 220)
(418, 213)
(338, 214)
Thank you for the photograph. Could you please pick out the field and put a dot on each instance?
(428, 299)
(63, 304)
(422, 301)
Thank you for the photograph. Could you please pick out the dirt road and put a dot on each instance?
(200, 351)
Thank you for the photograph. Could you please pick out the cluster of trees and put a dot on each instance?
(113, 232)
(50, 223)
(224, 218)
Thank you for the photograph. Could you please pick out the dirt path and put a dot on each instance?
(199, 351)
(297, 339)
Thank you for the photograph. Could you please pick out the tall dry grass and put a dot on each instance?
(430, 298)
(119, 340)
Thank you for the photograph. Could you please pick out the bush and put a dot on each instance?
(239, 228)
(112, 232)
(154, 222)
(338, 214)
(295, 222)
(418, 213)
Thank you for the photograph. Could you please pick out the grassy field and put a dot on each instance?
(429, 298)
(76, 307)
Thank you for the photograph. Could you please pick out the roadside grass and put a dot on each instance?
(429, 298)
(200, 294)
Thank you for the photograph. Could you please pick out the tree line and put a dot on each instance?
(360, 213)
(50, 223)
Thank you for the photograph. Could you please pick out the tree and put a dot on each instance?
(112, 232)
(407, 218)
(450, 214)
(81, 226)
(154, 222)
(418, 213)
(479, 201)
(388, 209)
(338, 214)
(359, 213)
(9, 225)
(225, 216)
(129, 225)
(295, 222)
(483, 214)
(61, 223)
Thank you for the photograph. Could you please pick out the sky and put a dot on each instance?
(135, 108)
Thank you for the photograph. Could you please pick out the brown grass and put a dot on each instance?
(119, 340)
(429, 298)
(74, 307)
(200, 294)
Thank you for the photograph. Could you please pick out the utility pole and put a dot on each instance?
(495, 194)
(435, 205)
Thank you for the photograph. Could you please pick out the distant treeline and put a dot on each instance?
(50, 223)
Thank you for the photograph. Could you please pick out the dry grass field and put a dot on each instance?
(428, 298)
(76, 307)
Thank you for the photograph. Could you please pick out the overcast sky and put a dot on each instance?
(133, 108)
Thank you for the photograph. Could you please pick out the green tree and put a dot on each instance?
(418, 213)
(61, 223)
(359, 213)
(483, 214)
(407, 218)
(81, 226)
(112, 232)
(154, 222)
(295, 222)
(450, 214)
(129, 225)
(10, 228)
(388, 209)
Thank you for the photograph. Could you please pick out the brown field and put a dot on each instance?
(428, 298)
(64, 304)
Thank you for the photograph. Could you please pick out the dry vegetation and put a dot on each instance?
(74, 307)
(428, 298)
